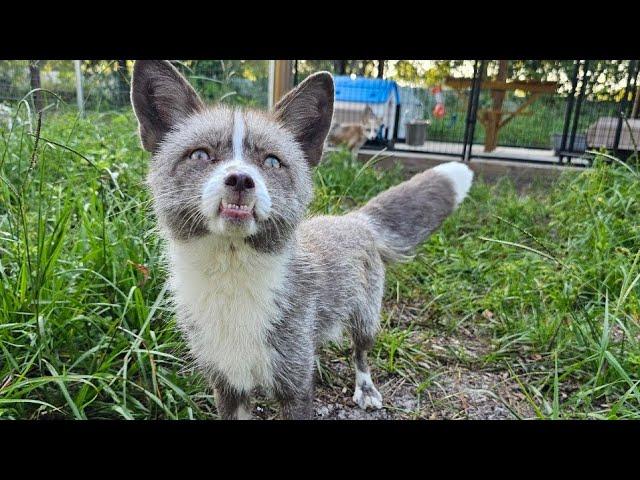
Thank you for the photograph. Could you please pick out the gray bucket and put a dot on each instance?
(416, 132)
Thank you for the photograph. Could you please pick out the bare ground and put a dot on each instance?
(437, 374)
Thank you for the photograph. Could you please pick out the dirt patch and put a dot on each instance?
(453, 391)
(451, 380)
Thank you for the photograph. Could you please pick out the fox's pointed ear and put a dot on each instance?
(307, 112)
(161, 97)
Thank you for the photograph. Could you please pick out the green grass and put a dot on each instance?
(87, 330)
(560, 271)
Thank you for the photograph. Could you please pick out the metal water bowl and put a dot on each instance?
(416, 132)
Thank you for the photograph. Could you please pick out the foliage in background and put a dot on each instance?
(534, 128)
(106, 83)
(245, 82)
(87, 331)
(238, 82)
(607, 76)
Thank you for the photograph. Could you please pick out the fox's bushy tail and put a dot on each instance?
(405, 215)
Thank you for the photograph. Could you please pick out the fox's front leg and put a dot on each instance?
(299, 407)
(230, 403)
(295, 395)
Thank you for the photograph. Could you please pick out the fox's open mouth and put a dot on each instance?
(234, 211)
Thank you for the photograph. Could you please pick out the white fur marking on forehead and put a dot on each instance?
(238, 135)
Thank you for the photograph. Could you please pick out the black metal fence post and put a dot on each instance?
(569, 111)
(476, 86)
(396, 125)
(467, 126)
(622, 109)
(576, 117)
(633, 87)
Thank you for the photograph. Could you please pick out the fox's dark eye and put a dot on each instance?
(271, 162)
(200, 155)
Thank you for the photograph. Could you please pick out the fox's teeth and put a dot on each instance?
(234, 206)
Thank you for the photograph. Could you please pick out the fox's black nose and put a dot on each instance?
(239, 182)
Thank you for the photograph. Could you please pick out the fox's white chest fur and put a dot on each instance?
(229, 295)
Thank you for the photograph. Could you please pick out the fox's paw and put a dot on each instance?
(367, 396)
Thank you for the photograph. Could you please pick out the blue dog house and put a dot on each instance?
(371, 102)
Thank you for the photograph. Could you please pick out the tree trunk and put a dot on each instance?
(34, 74)
(380, 68)
(342, 68)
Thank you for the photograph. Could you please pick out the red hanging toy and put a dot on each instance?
(438, 110)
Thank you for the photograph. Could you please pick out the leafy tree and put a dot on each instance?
(366, 68)
(606, 79)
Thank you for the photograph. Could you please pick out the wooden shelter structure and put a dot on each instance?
(494, 118)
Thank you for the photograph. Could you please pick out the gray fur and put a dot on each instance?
(161, 97)
(400, 216)
(334, 265)
(228, 399)
(307, 112)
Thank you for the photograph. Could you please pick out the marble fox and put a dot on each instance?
(257, 285)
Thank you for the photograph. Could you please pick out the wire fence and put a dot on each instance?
(106, 83)
(517, 109)
(545, 111)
